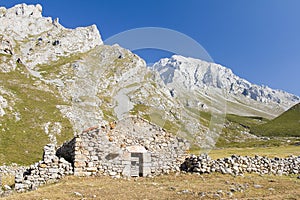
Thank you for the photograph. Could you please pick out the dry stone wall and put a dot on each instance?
(238, 165)
(50, 169)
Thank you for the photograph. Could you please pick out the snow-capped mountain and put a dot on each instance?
(183, 74)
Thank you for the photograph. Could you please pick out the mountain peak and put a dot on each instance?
(21, 10)
(202, 76)
(43, 39)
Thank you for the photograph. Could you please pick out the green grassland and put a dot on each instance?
(233, 134)
(286, 125)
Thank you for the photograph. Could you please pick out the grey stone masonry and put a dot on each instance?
(50, 169)
(131, 147)
(238, 165)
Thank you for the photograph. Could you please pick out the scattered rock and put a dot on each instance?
(233, 190)
(78, 194)
(216, 196)
(184, 192)
(201, 194)
(6, 187)
(172, 188)
(257, 186)
(229, 194)
(271, 189)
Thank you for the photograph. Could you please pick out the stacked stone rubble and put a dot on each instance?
(10, 169)
(50, 169)
(238, 165)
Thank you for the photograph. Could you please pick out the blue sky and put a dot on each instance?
(258, 39)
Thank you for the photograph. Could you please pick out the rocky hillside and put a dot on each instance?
(55, 82)
(207, 79)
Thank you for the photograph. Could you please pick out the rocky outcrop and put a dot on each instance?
(6, 48)
(238, 165)
(27, 36)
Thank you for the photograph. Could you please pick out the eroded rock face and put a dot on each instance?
(27, 36)
(207, 78)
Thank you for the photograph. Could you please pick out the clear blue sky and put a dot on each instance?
(258, 39)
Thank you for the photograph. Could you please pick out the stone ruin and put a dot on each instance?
(131, 147)
(136, 147)
(48, 170)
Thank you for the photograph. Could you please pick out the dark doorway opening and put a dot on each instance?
(136, 164)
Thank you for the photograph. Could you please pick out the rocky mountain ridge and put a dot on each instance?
(191, 74)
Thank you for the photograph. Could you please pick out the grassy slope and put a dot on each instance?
(233, 133)
(286, 125)
(23, 141)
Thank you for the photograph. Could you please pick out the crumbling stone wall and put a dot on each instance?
(50, 169)
(109, 149)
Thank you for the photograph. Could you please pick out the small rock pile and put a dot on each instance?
(50, 169)
(238, 165)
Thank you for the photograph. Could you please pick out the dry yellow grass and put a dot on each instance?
(7, 180)
(173, 186)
